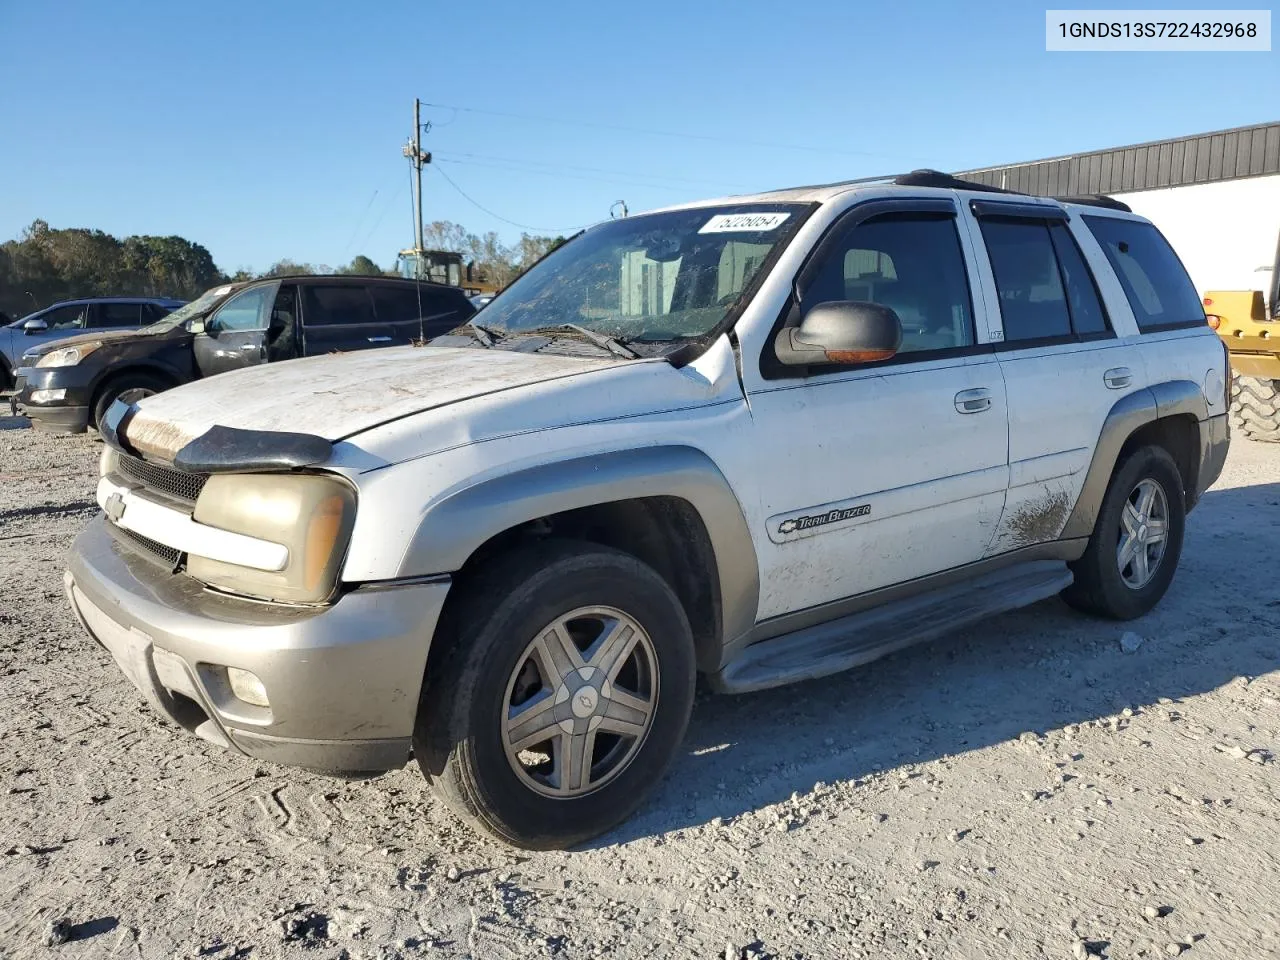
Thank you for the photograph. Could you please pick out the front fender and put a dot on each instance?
(455, 527)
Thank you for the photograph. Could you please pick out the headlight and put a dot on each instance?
(68, 356)
(311, 515)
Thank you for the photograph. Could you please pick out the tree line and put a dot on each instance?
(45, 265)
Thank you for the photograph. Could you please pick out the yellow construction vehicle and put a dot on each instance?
(1249, 323)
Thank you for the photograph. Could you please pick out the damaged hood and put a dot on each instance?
(338, 395)
(110, 336)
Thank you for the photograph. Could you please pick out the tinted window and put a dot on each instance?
(1154, 280)
(247, 310)
(910, 263)
(151, 312)
(328, 306)
(1087, 313)
(71, 317)
(117, 315)
(396, 304)
(1032, 302)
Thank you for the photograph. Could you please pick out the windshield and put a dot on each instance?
(201, 305)
(656, 277)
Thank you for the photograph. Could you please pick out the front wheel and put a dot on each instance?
(563, 696)
(1136, 542)
(129, 387)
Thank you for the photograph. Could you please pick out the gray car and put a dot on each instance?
(72, 317)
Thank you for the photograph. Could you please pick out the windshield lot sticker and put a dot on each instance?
(744, 222)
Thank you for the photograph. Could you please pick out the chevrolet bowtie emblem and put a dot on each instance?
(114, 507)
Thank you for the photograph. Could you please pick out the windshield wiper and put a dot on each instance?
(486, 336)
(612, 344)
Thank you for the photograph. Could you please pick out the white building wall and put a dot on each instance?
(1224, 232)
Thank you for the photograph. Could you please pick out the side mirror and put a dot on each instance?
(840, 331)
(35, 325)
(196, 325)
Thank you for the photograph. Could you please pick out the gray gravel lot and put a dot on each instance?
(1023, 789)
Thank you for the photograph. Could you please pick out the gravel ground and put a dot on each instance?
(1040, 786)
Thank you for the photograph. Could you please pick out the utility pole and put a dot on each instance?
(418, 160)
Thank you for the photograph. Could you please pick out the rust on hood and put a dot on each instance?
(156, 439)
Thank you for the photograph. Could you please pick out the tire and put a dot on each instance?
(1255, 408)
(492, 669)
(1102, 586)
(133, 385)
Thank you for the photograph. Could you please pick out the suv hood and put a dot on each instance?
(338, 395)
(63, 342)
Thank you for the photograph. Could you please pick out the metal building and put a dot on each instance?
(1216, 196)
(1180, 162)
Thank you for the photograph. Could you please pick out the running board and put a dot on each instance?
(859, 638)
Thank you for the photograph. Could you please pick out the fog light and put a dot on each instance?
(48, 396)
(247, 687)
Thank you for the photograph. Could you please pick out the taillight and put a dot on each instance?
(1214, 320)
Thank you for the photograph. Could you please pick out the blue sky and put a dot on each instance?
(273, 129)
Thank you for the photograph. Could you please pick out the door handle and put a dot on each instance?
(1117, 378)
(247, 347)
(378, 339)
(973, 401)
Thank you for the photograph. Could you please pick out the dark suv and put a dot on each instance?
(67, 386)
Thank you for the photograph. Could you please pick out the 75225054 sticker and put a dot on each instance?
(761, 222)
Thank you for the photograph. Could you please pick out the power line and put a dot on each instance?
(553, 165)
(484, 209)
(516, 168)
(356, 229)
(391, 202)
(669, 133)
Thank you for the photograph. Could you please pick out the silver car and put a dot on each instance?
(72, 317)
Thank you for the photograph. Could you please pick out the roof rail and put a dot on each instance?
(936, 178)
(1098, 200)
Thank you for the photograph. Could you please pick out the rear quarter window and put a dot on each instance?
(396, 304)
(1154, 280)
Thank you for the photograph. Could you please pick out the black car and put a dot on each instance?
(67, 386)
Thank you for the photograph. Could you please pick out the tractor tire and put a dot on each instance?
(1255, 408)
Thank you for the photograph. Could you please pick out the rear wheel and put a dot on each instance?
(129, 387)
(563, 696)
(1136, 541)
(1255, 408)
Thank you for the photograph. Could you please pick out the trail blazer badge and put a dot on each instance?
(822, 519)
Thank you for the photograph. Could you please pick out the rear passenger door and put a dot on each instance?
(1165, 305)
(1063, 366)
(412, 313)
(340, 316)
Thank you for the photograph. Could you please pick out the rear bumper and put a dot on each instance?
(342, 681)
(1215, 441)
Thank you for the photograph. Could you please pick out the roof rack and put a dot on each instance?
(1098, 200)
(936, 178)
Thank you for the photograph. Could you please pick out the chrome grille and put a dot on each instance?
(164, 480)
(166, 556)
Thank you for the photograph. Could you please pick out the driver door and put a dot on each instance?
(875, 474)
(236, 335)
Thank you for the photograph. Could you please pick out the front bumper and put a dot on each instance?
(67, 415)
(343, 681)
